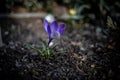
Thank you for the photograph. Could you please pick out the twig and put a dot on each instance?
(23, 15)
(0, 38)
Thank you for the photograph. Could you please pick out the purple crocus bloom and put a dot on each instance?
(54, 30)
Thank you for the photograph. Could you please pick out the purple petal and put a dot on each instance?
(54, 26)
(47, 27)
(61, 28)
(55, 34)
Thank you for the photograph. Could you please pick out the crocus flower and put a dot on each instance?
(54, 30)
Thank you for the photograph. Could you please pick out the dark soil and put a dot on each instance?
(90, 54)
